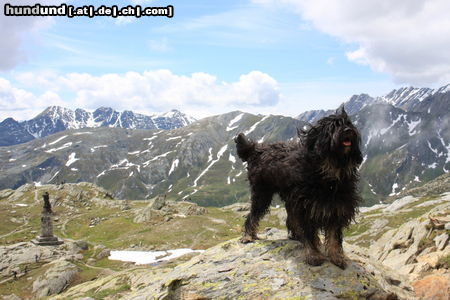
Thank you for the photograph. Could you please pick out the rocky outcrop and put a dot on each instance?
(14, 257)
(56, 278)
(436, 286)
(417, 245)
(419, 248)
(167, 209)
(273, 268)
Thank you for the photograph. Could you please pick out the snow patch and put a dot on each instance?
(156, 158)
(174, 166)
(71, 159)
(219, 155)
(56, 141)
(210, 157)
(394, 187)
(255, 125)
(262, 139)
(234, 121)
(149, 257)
(98, 147)
(412, 127)
(174, 138)
(54, 176)
(67, 145)
(232, 158)
(151, 138)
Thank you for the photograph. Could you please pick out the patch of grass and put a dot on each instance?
(21, 286)
(444, 262)
(357, 229)
(86, 274)
(103, 294)
(114, 265)
(403, 217)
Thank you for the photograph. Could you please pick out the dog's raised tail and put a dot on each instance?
(244, 146)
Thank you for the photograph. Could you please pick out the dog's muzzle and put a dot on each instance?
(348, 137)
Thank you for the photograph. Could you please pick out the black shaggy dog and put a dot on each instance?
(317, 179)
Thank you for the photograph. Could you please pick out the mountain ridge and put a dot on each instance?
(56, 119)
(406, 98)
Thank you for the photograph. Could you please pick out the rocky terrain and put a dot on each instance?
(401, 249)
(272, 268)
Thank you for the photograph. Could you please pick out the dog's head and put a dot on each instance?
(336, 141)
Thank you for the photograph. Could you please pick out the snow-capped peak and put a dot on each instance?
(56, 118)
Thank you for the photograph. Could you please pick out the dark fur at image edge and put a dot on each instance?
(317, 179)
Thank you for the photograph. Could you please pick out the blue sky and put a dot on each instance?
(260, 56)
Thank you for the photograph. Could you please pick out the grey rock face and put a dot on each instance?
(56, 278)
(12, 256)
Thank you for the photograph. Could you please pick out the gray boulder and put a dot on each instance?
(56, 278)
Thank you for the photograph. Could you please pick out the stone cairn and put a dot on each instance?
(47, 238)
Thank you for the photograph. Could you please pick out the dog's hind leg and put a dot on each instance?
(260, 202)
(333, 244)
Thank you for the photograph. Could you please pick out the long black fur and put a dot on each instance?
(317, 179)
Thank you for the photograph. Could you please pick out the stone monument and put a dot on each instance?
(47, 238)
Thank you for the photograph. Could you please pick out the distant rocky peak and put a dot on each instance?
(443, 89)
(56, 118)
(408, 98)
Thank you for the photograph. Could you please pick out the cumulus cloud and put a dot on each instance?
(407, 39)
(150, 91)
(13, 31)
(22, 104)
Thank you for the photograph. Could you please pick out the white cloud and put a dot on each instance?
(122, 20)
(161, 45)
(22, 104)
(151, 91)
(13, 31)
(407, 38)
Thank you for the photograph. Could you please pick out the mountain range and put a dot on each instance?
(405, 142)
(406, 98)
(55, 119)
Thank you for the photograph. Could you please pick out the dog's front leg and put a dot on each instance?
(333, 244)
(312, 245)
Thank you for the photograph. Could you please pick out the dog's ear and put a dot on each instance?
(341, 111)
